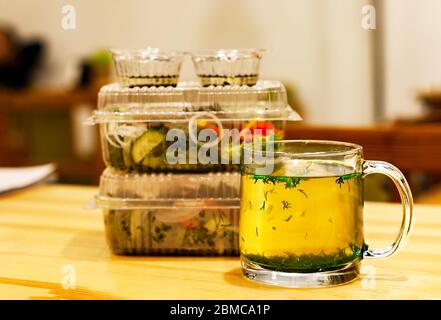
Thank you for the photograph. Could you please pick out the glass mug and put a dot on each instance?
(301, 225)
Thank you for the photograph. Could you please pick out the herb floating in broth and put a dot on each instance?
(286, 204)
(307, 262)
(341, 180)
(314, 225)
(302, 192)
(290, 182)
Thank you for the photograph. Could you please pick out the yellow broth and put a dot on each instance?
(301, 224)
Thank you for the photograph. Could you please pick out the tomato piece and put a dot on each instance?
(188, 224)
(264, 126)
(214, 128)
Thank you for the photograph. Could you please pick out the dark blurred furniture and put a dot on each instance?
(409, 147)
(13, 154)
(414, 148)
(431, 101)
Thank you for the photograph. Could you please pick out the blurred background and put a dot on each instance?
(378, 86)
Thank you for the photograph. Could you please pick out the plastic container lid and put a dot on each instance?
(266, 100)
(147, 191)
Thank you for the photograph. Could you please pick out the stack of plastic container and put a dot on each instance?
(172, 181)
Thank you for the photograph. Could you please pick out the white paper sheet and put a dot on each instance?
(22, 177)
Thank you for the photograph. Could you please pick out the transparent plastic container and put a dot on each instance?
(147, 67)
(228, 67)
(139, 126)
(170, 214)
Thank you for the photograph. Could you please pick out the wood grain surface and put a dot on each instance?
(45, 231)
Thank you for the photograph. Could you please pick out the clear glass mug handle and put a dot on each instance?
(370, 167)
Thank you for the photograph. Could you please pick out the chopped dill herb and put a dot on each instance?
(274, 228)
(303, 192)
(286, 204)
(265, 179)
(251, 208)
(159, 233)
(257, 232)
(265, 194)
(197, 233)
(263, 206)
(243, 240)
(290, 182)
(289, 218)
(291, 262)
(341, 180)
(125, 226)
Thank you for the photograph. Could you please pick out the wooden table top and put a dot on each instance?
(46, 234)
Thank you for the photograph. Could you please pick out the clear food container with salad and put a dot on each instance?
(187, 128)
(170, 214)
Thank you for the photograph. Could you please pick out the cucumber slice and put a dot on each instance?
(153, 162)
(145, 144)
